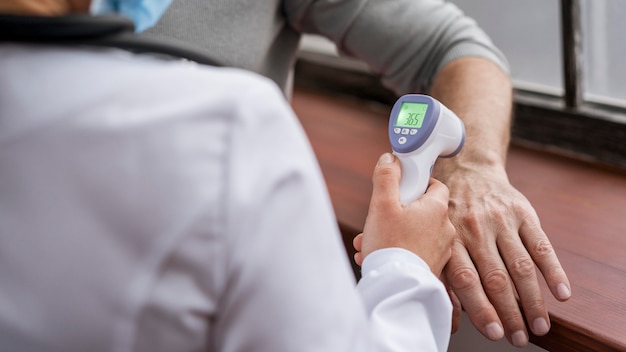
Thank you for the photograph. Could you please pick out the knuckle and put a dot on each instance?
(439, 206)
(449, 235)
(555, 274)
(514, 320)
(384, 206)
(471, 221)
(464, 278)
(445, 190)
(384, 171)
(533, 305)
(522, 268)
(442, 205)
(543, 248)
(496, 281)
(519, 208)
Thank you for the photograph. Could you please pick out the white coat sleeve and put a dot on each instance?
(408, 307)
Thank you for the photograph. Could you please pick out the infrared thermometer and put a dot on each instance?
(421, 129)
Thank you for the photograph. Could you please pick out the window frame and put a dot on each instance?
(570, 124)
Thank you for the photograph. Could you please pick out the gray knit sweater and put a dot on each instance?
(406, 41)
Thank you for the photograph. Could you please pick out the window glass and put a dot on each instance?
(529, 34)
(604, 47)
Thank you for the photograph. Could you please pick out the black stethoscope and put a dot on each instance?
(99, 31)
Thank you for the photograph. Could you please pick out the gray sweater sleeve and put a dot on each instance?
(406, 41)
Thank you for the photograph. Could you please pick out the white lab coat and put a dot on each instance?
(151, 205)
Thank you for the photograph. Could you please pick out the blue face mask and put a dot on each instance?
(144, 13)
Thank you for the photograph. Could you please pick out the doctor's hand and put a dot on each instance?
(499, 242)
(422, 227)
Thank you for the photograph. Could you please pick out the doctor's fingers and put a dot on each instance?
(386, 183)
(357, 242)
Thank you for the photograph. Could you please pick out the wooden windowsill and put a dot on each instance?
(582, 209)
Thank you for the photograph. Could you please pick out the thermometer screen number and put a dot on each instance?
(411, 115)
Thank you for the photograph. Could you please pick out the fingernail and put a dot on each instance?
(385, 159)
(519, 338)
(563, 291)
(540, 327)
(494, 331)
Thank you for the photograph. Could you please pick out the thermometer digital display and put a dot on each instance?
(421, 129)
(411, 115)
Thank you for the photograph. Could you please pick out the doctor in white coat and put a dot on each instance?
(160, 205)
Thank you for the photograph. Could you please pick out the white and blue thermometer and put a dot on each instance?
(421, 129)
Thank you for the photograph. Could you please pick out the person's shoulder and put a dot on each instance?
(243, 92)
(166, 73)
(186, 68)
(195, 84)
(240, 80)
(226, 82)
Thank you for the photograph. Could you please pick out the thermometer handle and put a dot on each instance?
(416, 171)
